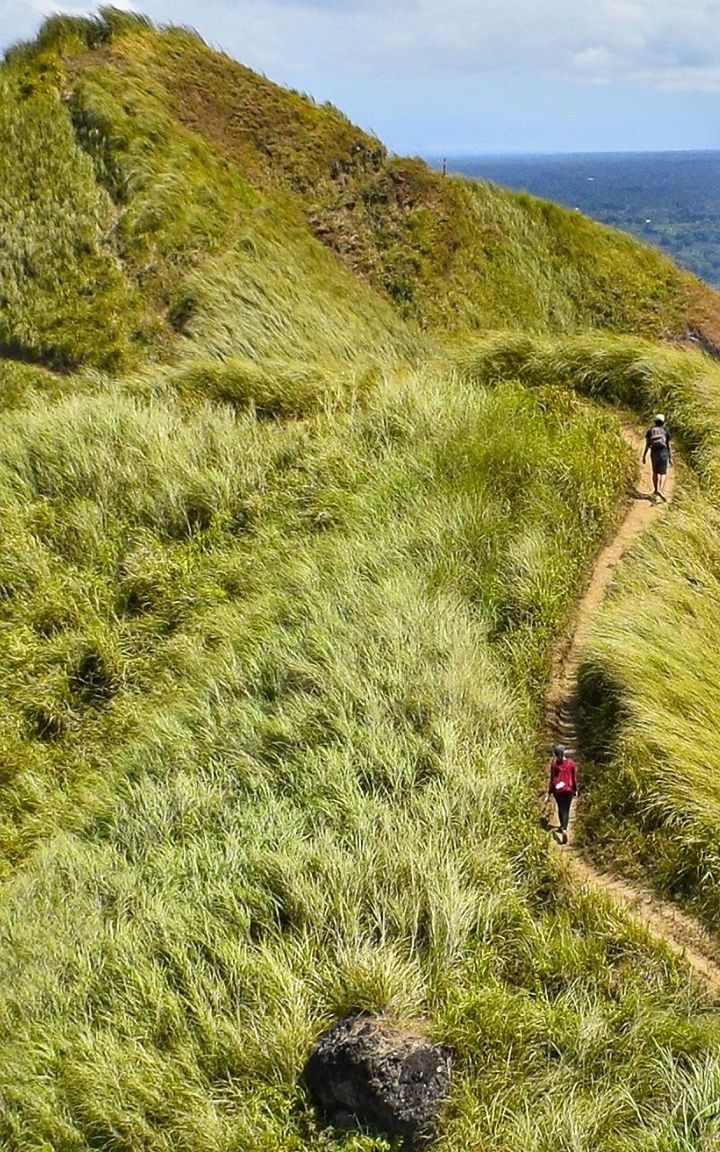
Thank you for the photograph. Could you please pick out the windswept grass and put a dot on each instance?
(650, 689)
(155, 245)
(174, 193)
(648, 684)
(639, 375)
(450, 254)
(64, 299)
(267, 753)
(221, 494)
(275, 294)
(277, 608)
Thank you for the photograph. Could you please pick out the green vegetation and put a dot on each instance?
(666, 199)
(283, 564)
(648, 683)
(172, 189)
(267, 753)
(64, 298)
(223, 270)
(636, 375)
(650, 690)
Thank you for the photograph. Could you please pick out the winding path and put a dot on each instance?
(663, 920)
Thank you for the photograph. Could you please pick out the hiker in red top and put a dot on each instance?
(562, 785)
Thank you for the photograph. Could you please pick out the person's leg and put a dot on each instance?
(563, 807)
(655, 480)
(662, 477)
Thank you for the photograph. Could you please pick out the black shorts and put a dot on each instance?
(660, 461)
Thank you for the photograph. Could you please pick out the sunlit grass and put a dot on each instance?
(267, 754)
(648, 680)
(279, 586)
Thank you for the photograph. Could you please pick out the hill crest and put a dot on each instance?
(189, 149)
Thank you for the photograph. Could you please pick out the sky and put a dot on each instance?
(449, 77)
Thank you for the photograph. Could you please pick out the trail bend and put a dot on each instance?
(663, 920)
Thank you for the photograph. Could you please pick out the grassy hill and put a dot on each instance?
(170, 185)
(286, 548)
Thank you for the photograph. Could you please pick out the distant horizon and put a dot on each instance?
(519, 153)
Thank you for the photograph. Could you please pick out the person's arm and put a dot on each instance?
(647, 445)
(670, 459)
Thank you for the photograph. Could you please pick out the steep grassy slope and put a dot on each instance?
(129, 207)
(64, 294)
(650, 696)
(278, 588)
(203, 184)
(448, 252)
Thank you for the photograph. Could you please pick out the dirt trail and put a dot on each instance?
(661, 918)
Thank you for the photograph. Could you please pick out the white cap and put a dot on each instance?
(660, 419)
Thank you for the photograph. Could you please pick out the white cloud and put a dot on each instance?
(659, 43)
(653, 42)
(594, 60)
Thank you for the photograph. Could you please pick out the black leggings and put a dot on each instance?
(563, 801)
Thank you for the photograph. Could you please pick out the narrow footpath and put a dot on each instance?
(662, 919)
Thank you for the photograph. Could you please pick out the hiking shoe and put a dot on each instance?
(563, 836)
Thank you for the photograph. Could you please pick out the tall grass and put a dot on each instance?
(637, 374)
(449, 254)
(183, 204)
(277, 617)
(648, 687)
(535, 267)
(128, 237)
(650, 690)
(65, 298)
(268, 762)
(232, 270)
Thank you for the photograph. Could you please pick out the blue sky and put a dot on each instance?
(466, 76)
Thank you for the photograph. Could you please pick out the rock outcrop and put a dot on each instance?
(365, 1073)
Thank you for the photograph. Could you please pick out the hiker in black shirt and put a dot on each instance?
(657, 443)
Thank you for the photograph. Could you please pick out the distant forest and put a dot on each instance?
(668, 199)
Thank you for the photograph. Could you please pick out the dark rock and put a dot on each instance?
(389, 1080)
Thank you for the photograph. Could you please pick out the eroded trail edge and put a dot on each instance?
(662, 919)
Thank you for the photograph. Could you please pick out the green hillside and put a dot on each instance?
(305, 456)
(164, 194)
